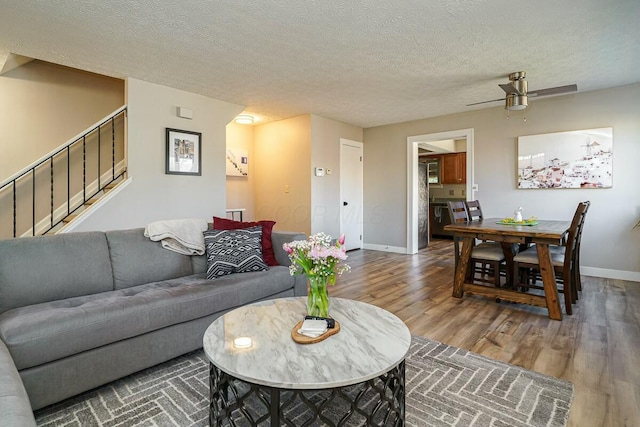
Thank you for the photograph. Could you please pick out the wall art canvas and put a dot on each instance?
(183, 152)
(237, 162)
(574, 159)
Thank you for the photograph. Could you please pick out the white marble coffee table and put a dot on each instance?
(360, 369)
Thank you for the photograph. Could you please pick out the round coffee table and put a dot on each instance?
(355, 377)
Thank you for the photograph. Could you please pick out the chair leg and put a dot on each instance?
(496, 273)
(568, 293)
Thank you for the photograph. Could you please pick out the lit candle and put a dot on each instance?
(242, 342)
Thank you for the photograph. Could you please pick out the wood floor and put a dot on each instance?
(597, 348)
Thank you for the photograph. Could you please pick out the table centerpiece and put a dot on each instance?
(321, 261)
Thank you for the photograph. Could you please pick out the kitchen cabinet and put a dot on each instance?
(454, 168)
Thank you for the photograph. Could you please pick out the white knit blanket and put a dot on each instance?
(179, 235)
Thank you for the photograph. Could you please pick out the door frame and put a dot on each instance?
(360, 146)
(412, 177)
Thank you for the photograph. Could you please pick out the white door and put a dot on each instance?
(351, 193)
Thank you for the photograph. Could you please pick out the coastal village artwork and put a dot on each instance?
(575, 159)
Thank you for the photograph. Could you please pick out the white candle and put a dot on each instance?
(242, 342)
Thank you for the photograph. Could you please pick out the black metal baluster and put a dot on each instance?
(14, 209)
(51, 169)
(68, 179)
(99, 150)
(84, 169)
(113, 149)
(33, 204)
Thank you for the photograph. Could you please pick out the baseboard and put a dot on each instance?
(385, 248)
(606, 273)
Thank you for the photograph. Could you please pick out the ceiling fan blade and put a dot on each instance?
(510, 89)
(554, 90)
(484, 102)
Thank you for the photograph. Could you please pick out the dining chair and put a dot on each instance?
(565, 261)
(474, 210)
(483, 253)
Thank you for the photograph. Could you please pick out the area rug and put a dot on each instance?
(446, 386)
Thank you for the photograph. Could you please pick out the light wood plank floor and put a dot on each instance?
(597, 348)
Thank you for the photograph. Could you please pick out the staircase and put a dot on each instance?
(53, 192)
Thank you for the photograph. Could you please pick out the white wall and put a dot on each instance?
(325, 190)
(153, 195)
(609, 243)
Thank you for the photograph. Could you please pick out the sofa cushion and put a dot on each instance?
(233, 251)
(137, 260)
(267, 229)
(47, 268)
(45, 332)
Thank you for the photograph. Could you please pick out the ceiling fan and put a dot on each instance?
(517, 96)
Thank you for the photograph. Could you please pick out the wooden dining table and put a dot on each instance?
(543, 234)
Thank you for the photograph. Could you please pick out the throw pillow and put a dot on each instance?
(267, 228)
(233, 251)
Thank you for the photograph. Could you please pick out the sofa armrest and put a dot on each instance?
(14, 402)
(278, 238)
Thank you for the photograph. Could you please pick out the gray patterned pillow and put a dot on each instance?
(234, 251)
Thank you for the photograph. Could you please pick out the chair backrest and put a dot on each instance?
(576, 252)
(474, 210)
(458, 212)
(574, 233)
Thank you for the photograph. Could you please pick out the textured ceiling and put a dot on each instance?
(366, 63)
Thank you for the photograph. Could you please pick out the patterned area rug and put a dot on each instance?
(446, 386)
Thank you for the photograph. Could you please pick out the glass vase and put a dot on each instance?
(318, 299)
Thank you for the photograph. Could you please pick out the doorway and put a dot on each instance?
(412, 177)
(351, 193)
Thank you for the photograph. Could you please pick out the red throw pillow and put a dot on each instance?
(267, 226)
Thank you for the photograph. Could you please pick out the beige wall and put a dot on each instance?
(285, 153)
(325, 190)
(240, 188)
(152, 194)
(610, 246)
(42, 105)
(282, 152)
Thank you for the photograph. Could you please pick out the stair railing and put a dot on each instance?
(88, 191)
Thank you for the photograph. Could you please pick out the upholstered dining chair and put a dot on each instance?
(565, 261)
(483, 253)
(474, 210)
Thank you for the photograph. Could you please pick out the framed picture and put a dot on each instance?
(237, 162)
(575, 159)
(184, 152)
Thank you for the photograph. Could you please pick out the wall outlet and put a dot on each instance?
(286, 188)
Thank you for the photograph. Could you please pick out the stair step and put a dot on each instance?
(110, 186)
(90, 202)
(69, 218)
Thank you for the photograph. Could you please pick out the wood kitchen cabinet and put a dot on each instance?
(454, 168)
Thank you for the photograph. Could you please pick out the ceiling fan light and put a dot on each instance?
(516, 102)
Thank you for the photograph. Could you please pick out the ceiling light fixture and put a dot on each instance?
(244, 119)
(515, 102)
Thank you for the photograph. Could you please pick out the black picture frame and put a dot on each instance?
(184, 152)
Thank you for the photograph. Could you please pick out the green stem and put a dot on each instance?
(318, 299)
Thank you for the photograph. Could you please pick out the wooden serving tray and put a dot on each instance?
(302, 339)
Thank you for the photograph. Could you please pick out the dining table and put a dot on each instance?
(542, 233)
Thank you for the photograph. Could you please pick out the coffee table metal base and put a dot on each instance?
(376, 402)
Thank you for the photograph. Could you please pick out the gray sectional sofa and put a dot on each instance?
(79, 310)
